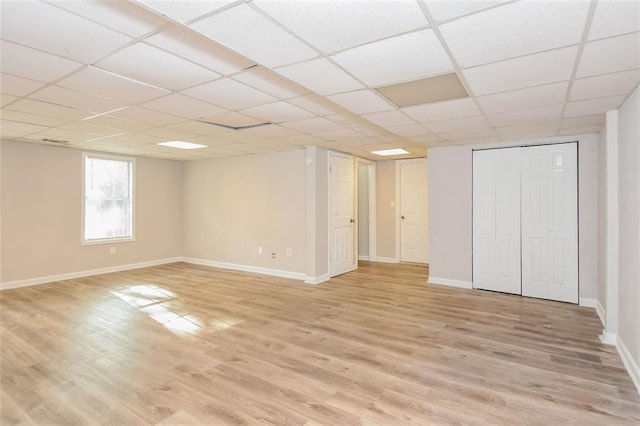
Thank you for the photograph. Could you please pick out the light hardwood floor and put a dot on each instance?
(184, 344)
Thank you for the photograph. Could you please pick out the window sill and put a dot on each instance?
(108, 241)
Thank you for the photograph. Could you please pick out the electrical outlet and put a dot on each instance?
(259, 249)
(288, 252)
(273, 255)
(112, 250)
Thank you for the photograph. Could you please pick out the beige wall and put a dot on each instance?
(629, 225)
(233, 205)
(450, 206)
(41, 213)
(385, 212)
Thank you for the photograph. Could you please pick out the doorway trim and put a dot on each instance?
(371, 166)
(397, 215)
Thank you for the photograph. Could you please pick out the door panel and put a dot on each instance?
(414, 225)
(341, 221)
(496, 220)
(550, 222)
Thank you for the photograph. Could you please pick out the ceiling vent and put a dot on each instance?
(424, 91)
(56, 141)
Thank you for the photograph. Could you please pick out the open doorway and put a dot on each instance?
(366, 196)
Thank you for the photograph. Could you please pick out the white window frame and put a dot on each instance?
(132, 184)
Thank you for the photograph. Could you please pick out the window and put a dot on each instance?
(108, 198)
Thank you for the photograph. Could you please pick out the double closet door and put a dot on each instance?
(525, 221)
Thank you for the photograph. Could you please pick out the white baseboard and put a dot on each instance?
(317, 280)
(385, 259)
(363, 257)
(449, 282)
(608, 338)
(630, 364)
(588, 303)
(601, 312)
(71, 275)
(246, 268)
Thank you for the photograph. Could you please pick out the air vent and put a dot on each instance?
(425, 91)
(226, 126)
(58, 141)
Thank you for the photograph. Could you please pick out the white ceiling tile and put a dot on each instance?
(26, 117)
(73, 98)
(19, 127)
(547, 128)
(272, 131)
(270, 82)
(183, 106)
(143, 115)
(545, 113)
(321, 76)
(409, 130)
(347, 119)
(316, 104)
(333, 26)
(429, 140)
(251, 34)
(150, 65)
(610, 55)
(61, 134)
(48, 110)
(17, 86)
(443, 10)
(118, 123)
(593, 106)
(373, 130)
(580, 130)
(362, 101)
(7, 99)
(515, 29)
(184, 10)
(338, 134)
(312, 125)
(95, 81)
(229, 94)
(198, 128)
(301, 140)
(277, 112)
(388, 118)
(455, 108)
(524, 98)
(457, 124)
(468, 134)
(169, 133)
(620, 83)
(403, 58)
(84, 127)
(581, 122)
(56, 31)
(614, 18)
(199, 49)
(118, 15)
(33, 64)
(532, 70)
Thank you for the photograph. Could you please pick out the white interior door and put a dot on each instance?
(414, 225)
(550, 222)
(496, 220)
(341, 220)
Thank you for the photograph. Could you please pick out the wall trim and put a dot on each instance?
(630, 364)
(608, 338)
(586, 302)
(363, 257)
(601, 312)
(317, 280)
(450, 283)
(382, 259)
(87, 273)
(246, 268)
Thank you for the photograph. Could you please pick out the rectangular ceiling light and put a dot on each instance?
(182, 145)
(425, 91)
(394, 151)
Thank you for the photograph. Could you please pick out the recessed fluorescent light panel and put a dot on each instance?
(425, 91)
(182, 145)
(395, 151)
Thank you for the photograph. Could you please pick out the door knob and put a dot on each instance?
(402, 217)
(351, 220)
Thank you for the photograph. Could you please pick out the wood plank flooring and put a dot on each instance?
(186, 344)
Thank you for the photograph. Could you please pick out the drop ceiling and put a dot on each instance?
(122, 76)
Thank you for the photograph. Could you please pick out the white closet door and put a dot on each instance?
(341, 220)
(550, 222)
(496, 220)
